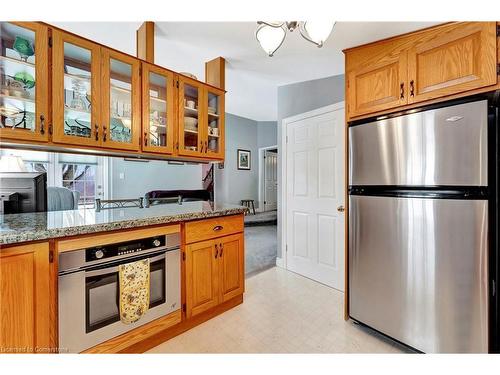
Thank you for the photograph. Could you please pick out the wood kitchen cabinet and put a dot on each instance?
(201, 119)
(158, 109)
(24, 84)
(24, 298)
(438, 62)
(76, 90)
(121, 100)
(379, 80)
(214, 262)
(452, 59)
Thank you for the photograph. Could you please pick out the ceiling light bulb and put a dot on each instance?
(270, 38)
(318, 31)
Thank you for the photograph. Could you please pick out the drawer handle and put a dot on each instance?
(216, 251)
(96, 132)
(412, 88)
(104, 130)
(218, 228)
(221, 250)
(402, 90)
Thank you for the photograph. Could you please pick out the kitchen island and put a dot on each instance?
(210, 272)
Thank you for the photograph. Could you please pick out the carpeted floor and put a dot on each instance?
(260, 242)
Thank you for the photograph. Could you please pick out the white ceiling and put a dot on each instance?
(252, 77)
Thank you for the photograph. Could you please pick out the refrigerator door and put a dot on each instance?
(440, 147)
(418, 271)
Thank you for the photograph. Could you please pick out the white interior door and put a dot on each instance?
(270, 180)
(315, 197)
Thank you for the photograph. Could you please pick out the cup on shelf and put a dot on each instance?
(191, 104)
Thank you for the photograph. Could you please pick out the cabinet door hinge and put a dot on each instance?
(50, 41)
(51, 256)
(50, 129)
(184, 307)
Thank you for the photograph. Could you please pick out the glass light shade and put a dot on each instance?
(270, 38)
(11, 163)
(318, 31)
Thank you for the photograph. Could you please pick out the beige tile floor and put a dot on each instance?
(282, 312)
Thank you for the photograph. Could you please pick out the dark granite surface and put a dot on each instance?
(35, 226)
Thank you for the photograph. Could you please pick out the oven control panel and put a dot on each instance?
(125, 248)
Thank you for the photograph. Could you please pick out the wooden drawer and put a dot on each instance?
(212, 228)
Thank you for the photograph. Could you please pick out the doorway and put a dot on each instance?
(268, 178)
(313, 194)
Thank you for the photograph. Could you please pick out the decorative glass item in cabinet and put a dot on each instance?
(157, 110)
(17, 77)
(213, 122)
(120, 101)
(77, 91)
(191, 135)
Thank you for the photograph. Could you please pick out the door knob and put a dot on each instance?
(340, 208)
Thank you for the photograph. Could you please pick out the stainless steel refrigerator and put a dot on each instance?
(421, 197)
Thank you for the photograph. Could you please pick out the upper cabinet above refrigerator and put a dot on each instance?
(441, 147)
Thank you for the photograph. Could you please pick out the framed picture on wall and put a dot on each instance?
(244, 159)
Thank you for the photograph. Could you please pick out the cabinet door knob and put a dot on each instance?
(340, 208)
(216, 251)
(42, 124)
(96, 132)
(145, 138)
(221, 250)
(206, 146)
(104, 133)
(402, 90)
(412, 88)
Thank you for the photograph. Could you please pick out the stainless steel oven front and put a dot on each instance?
(89, 311)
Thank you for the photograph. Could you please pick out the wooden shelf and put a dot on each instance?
(75, 112)
(213, 115)
(190, 111)
(75, 76)
(127, 91)
(214, 136)
(157, 99)
(190, 131)
(10, 60)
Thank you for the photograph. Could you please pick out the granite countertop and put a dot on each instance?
(15, 228)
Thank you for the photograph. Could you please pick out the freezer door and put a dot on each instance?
(418, 271)
(441, 147)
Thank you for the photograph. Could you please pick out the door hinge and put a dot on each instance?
(51, 256)
(50, 129)
(50, 41)
(286, 248)
(184, 307)
(287, 139)
(265, 202)
(183, 256)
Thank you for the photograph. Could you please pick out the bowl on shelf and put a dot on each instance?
(190, 123)
(212, 110)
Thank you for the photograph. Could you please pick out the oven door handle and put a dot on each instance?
(90, 272)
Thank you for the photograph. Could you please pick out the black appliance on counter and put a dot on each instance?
(23, 192)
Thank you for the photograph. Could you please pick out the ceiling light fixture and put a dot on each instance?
(271, 35)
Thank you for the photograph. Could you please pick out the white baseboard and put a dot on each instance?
(279, 262)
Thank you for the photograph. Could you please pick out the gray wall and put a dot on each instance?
(299, 98)
(267, 133)
(141, 177)
(233, 185)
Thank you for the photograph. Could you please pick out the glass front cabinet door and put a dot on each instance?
(24, 81)
(121, 95)
(191, 131)
(76, 90)
(214, 142)
(157, 109)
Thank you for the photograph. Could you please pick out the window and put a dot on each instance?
(80, 178)
(85, 174)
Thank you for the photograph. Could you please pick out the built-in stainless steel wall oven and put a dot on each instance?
(89, 292)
